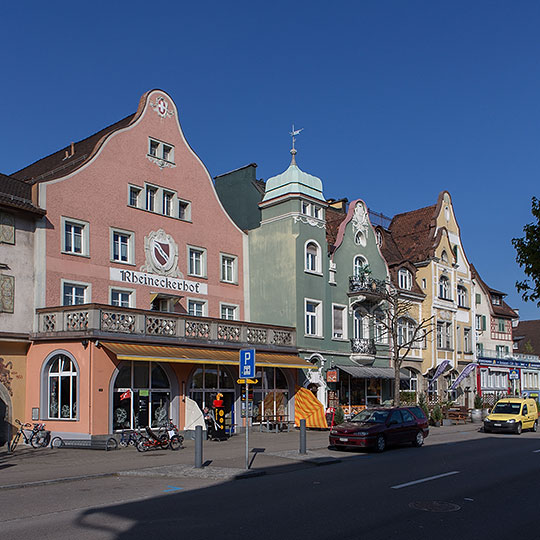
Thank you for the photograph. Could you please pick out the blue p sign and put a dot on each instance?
(247, 363)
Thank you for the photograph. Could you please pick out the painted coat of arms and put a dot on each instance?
(161, 253)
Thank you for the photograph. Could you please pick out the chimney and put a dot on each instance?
(72, 149)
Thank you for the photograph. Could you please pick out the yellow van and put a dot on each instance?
(512, 414)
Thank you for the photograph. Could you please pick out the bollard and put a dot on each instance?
(198, 447)
(303, 436)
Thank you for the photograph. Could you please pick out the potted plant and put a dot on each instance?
(436, 415)
(446, 407)
(476, 414)
(422, 403)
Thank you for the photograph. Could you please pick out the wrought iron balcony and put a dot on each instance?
(363, 346)
(367, 286)
(111, 322)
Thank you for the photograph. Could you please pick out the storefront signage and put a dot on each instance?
(512, 363)
(332, 375)
(514, 374)
(130, 277)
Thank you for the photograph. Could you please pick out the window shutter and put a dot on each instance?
(483, 322)
(478, 298)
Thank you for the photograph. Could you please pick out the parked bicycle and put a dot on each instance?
(39, 437)
(167, 439)
(129, 437)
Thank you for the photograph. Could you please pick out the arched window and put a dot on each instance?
(444, 256)
(380, 327)
(141, 396)
(405, 279)
(361, 325)
(444, 288)
(62, 395)
(462, 296)
(313, 258)
(411, 383)
(360, 267)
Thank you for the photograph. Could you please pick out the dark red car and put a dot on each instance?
(382, 427)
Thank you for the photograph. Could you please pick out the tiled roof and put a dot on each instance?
(17, 194)
(334, 218)
(414, 233)
(527, 332)
(502, 310)
(389, 249)
(57, 165)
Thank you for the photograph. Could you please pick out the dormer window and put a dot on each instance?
(317, 212)
(404, 279)
(306, 208)
(495, 300)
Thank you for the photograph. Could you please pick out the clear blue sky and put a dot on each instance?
(399, 99)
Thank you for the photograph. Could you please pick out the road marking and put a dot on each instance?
(536, 451)
(172, 488)
(429, 478)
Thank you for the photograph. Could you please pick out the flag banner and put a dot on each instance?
(463, 374)
(125, 395)
(440, 368)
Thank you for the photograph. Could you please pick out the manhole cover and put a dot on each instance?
(435, 506)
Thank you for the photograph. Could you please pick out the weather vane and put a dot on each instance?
(293, 134)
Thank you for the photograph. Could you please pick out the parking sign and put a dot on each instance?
(247, 363)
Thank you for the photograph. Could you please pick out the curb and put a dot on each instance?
(57, 480)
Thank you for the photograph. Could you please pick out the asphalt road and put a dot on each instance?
(475, 489)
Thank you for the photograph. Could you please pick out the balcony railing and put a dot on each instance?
(363, 346)
(366, 285)
(114, 323)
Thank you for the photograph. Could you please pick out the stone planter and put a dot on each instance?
(476, 416)
(446, 422)
(485, 413)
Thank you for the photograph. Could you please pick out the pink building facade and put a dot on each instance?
(140, 285)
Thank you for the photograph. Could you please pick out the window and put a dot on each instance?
(405, 279)
(444, 257)
(501, 351)
(380, 328)
(228, 269)
(462, 296)
(406, 328)
(167, 203)
(495, 300)
(75, 237)
(184, 210)
(160, 150)
(141, 396)
(360, 267)
(339, 322)
(196, 262)
(424, 283)
(361, 325)
(501, 325)
(74, 294)
(312, 257)
(134, 194)
(444, 288)
(480, 322)
(196, 308)
(121, 298)
(306, 208)
(444, 335)
(313, 318)
(412, 381)
(151, 198)
(467, 345)
(479, 349)
(62, 388)
(317, 212)
(478, 298)
(229, 312)
(122, 246)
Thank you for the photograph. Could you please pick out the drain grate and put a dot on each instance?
(435, 506)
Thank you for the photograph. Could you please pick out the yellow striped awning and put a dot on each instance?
(194, 355)
(307, 406)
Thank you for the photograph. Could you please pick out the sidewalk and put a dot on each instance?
(270, 453)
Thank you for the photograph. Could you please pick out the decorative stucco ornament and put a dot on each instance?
(161, 107)
(310, 221)
(360, 223)
(161, 163)
(161, 253)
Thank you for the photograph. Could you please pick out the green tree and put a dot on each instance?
(528, 256)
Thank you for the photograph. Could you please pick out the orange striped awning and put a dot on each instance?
(194, 355)
(307, 406)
